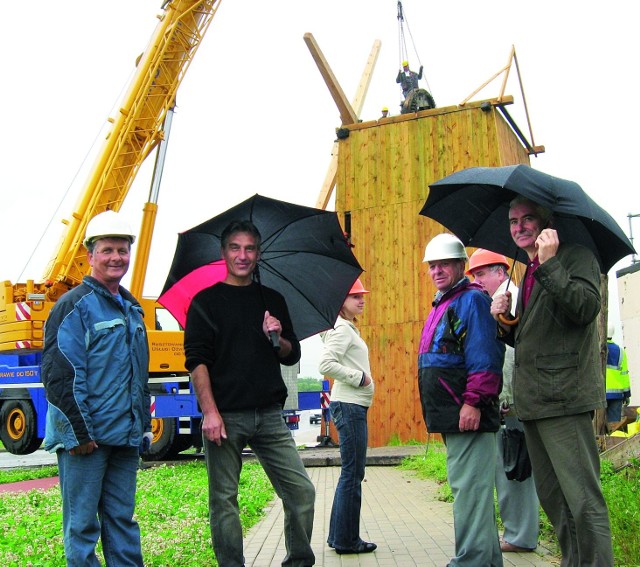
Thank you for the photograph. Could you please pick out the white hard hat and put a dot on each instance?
(444, 247)
(108, 224)
(611, 329)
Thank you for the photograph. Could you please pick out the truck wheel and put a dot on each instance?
(18, 427)
(180, 443)
(164, 433)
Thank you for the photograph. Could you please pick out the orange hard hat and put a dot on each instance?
(357, 287)
(482, 257)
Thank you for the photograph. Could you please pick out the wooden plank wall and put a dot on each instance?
(384, 170)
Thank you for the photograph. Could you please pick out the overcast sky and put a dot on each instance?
(254, 115)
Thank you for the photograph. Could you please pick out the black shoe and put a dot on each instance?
(362, 547)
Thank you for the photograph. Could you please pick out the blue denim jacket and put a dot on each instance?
(95, 369)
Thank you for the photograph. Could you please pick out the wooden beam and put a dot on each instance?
(329, 179)
(365, 79)
(356, 105)
(622, 454)
(347, 114)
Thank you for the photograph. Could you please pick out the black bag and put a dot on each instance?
(515, 457)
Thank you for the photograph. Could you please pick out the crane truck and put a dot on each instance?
(141, 124)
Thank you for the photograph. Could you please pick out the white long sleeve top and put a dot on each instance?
(344, 358)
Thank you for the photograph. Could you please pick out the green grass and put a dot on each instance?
(621, 491)
(171, 508)
(172, 511)
(395, 441)
(17, 475)
(431, 465)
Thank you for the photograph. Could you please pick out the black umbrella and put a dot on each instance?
(304, 256)
(474, 205)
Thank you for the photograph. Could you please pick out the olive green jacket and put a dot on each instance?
(557, 367)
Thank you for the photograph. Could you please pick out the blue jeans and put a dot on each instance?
(344, 526)
(266, 433)
(614, 410)
(98, 500)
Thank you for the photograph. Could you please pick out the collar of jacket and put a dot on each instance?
(464, 284)
(102, 290)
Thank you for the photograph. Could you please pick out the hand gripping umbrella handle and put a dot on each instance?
(509, 322)
(273, 336)
(275, 340)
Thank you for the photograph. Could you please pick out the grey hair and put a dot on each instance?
(546, 216)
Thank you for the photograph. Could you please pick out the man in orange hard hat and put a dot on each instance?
(517, 499)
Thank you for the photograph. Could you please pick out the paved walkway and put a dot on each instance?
(400, 513)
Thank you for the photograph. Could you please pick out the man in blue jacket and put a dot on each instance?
(95, 373)
(460, 377)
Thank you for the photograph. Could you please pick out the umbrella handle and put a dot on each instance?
(275, 340)
(509, 322)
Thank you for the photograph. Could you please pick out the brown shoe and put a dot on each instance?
(507, 547)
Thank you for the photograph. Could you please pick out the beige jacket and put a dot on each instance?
(344, 358)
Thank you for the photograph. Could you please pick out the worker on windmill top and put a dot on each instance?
(408, 79)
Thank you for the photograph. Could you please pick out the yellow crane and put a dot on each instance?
(140, 125)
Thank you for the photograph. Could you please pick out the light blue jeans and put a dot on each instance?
(344, 526)
(98, 501)
(265, 431)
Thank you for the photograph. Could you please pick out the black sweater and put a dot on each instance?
(224, 332)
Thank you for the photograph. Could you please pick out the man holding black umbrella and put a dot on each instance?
(557, 383)
(235, 369)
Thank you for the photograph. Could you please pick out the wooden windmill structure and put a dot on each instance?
(381, 170)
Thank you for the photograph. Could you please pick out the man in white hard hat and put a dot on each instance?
(95, 373)
(517, 498)
(459, 377)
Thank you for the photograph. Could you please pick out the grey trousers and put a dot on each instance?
(566, 469)
(518, 501)
(471, 458)
(265, 432)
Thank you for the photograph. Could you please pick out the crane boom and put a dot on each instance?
(137, 129)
